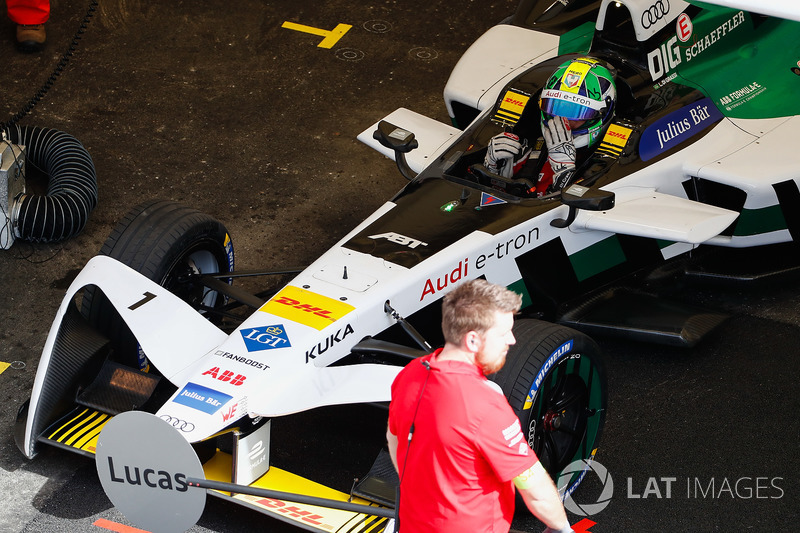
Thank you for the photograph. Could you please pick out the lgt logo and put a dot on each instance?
(226, 376)
(265, 338)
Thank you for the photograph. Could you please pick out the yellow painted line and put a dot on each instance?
(331, 37)
(3, 366)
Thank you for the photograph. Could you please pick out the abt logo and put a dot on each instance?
(227, 376)
(402, 240)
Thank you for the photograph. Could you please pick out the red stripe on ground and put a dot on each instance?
(119, 528)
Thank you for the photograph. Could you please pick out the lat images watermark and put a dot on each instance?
(696, 488)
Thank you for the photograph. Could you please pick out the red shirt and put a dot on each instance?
(456, 474)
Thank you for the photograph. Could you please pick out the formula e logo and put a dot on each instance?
(265, 338)
(402, 240)
(654, 13)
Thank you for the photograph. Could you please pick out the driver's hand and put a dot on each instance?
(560, 146)
(506, 154)
(560, 151)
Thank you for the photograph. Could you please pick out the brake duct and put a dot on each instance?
(71, 191)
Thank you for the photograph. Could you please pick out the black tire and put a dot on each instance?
(164, 241)
(555, 381)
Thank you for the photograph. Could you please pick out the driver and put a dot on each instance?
(577, 104)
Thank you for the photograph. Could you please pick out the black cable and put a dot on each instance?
(62, 63)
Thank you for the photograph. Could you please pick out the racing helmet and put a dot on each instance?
(580, 89)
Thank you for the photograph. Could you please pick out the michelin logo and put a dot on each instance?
(546, 367)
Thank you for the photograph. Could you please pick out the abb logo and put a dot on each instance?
(225, 375)
(318, 311)
(294, 512)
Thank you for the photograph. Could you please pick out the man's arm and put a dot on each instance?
(391, 441)
(541, 496)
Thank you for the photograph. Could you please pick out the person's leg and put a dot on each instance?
(30, 16)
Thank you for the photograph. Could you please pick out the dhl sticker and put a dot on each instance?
(615, 139)
(306, 307)
(512, 106)
(320, 518)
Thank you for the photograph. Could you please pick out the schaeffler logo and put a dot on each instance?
(583, 466)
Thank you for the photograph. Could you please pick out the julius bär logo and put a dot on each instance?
(201, 398)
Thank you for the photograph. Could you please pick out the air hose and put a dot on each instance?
(71, 190)
(72, 186)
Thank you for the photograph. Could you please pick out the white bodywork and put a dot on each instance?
(293, 374)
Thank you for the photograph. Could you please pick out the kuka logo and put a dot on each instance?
(226, 376)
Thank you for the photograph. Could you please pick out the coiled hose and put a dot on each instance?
(71, 189)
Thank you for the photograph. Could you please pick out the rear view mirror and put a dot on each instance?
(580, 197)
(400, 141)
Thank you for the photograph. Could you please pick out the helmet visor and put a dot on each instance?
(569, 105)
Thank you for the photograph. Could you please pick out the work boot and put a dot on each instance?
(30, 38)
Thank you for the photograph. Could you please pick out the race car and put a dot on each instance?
(694, 163)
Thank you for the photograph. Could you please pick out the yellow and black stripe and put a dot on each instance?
(511, 107)
(615, 140)
(78, 430)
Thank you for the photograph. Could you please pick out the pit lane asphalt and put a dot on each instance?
(217, 106)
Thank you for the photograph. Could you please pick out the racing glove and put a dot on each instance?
(506, 154)
(560, 151)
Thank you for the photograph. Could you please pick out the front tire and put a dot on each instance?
(555, 381)
(167, 243)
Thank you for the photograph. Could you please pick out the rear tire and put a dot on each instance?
(555, 381)
(164, 241)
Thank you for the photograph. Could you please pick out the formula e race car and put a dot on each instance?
(695, 164)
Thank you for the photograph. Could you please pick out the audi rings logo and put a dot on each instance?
(654, 13)
(177, 423)
(582, 466)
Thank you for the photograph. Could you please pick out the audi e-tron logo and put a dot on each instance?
(654, 13)
(177, 423)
